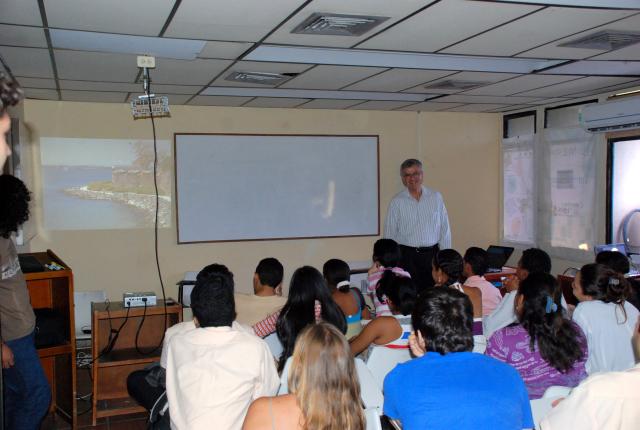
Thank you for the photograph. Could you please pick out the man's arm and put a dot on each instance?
(502, 316)
(7, 356)
(445, 230)
(391, 222)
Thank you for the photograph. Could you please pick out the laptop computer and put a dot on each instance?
(620, 247)
(497, 256)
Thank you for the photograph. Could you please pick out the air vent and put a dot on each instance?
(605, 40)
(451, 84)
(332, 24)
(259, 77)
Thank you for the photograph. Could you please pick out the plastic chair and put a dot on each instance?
(479, 343)
(542, 406)
(382, 360)
(274, 344)
(372, 419)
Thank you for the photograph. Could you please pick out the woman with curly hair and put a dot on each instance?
(323, 386)
(545, 347)
(10, 95)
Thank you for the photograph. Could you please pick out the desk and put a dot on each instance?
(53, 289)
(110, 369)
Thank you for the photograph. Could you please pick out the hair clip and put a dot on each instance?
(551, 306)
(614, 281)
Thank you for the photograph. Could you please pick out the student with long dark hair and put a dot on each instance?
(447, 267)
(309, 302)
(545, 348)
(605, 316)
(337, 274)
(399, 293)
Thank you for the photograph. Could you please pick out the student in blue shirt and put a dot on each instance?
(448, 386)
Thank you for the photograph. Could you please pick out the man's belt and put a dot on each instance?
(420, 249)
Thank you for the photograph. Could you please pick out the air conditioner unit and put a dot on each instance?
(611, 116)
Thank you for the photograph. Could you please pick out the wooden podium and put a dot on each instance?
(111, 368)
(53, 289)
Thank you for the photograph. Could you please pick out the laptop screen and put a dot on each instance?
(498, 256)
(610, 247)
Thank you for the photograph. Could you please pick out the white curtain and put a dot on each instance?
(519, 190)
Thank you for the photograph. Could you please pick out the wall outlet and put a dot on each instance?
(146, 61)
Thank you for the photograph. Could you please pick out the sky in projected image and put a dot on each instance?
(97, 184)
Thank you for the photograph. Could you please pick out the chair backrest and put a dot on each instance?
(372, 419)
(542, 406)
(479, 343)
(274, 344)
(370, 393)
(382, 360)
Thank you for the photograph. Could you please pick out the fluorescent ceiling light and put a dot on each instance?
(405, 60)
(315, 94)
(600, 4)
(180, 49)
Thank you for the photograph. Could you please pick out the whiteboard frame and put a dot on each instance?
(176, 199)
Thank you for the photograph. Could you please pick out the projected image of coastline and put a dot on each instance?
(95, 184)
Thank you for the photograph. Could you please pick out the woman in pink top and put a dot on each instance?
(386, 255)
(545, 348)
(475, 266)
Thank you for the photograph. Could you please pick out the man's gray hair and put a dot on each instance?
(411, 162)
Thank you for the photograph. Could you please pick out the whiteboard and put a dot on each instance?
(259, 187)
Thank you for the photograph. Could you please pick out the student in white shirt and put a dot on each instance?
(605, 317)
(533, 260)
(217, 369)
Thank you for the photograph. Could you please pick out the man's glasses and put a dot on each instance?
(412, 175)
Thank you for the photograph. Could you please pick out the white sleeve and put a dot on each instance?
(445, 230)
(269, 383)
(391, 222)
(502, 316)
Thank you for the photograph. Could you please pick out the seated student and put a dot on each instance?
(605, 317)
(215, 370)
(604, 401)
(392, 331)
(337, 273)
(618, 262)
(267, 293)
(533, 260)
(446, 269)
(386, 256)
(475, 266)
(544, 347)
(448, 386)
(324, 392)
(309, 302)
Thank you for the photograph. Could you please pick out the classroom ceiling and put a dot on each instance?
(410, 55)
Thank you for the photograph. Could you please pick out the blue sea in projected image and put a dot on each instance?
(67, 212)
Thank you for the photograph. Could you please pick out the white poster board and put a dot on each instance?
(259, 187)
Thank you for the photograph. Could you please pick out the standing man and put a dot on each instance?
(418, 221)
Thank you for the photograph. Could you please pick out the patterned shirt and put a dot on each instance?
(372, 284)
(417, 223)
(512, 345)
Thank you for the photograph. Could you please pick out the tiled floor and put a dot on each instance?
(128, 422)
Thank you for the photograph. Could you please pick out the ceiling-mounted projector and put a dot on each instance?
(148, 105)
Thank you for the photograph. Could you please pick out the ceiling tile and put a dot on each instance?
(183, 72)
(461, 98)
(100, 86)
(430, 106)
(530, 31)
(22, 36)
(384, 8)
(219, 101)
(31, 62)
(174, 99)
(330, 77)
(445, 23)
(224, 50)
(511, 108)
(329, 104)
(236, 21)
(24, 12)
(462, 76)
(588, 67)
(257, 66)
(173, 89)
(275, 102)
(93, 96)
(629, 53)
(591, 83)
(398, 79)
(96, 66)
(520, 84)
(36, 82)
(40, 94)
(622, 87)
(479, 107)
(140, 17)
(380, 105)
(552, 50)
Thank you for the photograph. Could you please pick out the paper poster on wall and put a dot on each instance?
(518, 212)
(95, 184)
